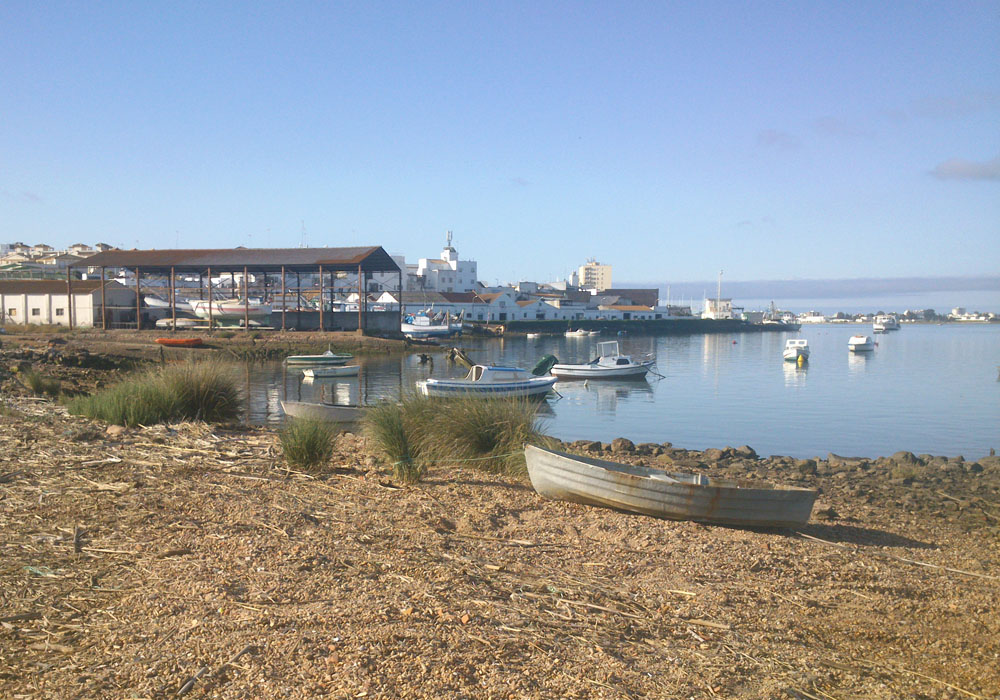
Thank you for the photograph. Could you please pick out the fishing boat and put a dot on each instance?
(327, 358)
(229, 309)
(861, 343)
(180, 342)
(344, 417)
(578, 333)
(649, 491)
(424, 325)
(796, 349)
(489, 381)
(609, 364)
(321, 372)
(884, 323)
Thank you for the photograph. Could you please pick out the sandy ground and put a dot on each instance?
(186, 560)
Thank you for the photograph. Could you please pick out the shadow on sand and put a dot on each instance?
(866, 537)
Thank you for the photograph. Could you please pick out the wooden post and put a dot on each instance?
(298, 310)
(246, 301)
(104, 303)
(138, 300)
(173, 298)
(361, 284)
(211, 301)
(322, 326)
(69, 295)
(284, 299)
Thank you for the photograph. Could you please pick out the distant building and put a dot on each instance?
(444, 274)
(721, 309)
(594, 275)
(45, 302)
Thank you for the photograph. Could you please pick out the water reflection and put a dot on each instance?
(605, 395)
(795, 374)
(857, 362)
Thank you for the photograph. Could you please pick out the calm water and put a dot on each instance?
(925, 388)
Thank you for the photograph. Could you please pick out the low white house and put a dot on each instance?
(45, 302)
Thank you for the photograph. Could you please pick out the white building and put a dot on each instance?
(45, 302)
(720, 309)
(444, 274)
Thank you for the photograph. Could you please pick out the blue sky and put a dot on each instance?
(671, 140)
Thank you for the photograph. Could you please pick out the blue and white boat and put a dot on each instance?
(489, 381)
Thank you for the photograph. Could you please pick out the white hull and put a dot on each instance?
(793, 354)
(411, 330)
(674, 496)
(860, 343)
(345, 417)
(327, 358)
(638, 369)
(229, 309)
(321, 372)
(495, 382)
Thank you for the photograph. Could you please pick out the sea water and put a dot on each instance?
(925, 388)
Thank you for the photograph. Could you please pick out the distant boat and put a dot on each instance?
(532, 336)
(321, 372)
(609, 364)
(578, 333)
(229, 309)
(654, 492)
(327, 358)
(861, 343)
(796, 348)
(885, 322)
(344, 417)
(156, 302)
(181, 323)
(486, 381)
(425, 325)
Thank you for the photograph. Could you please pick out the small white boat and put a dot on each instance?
(532, 336)
(674, 496)
(229, 309)
(578, 333)
(320, 372)
(181, 322)
(344, 417)
(796, 348)
(489, 381)
(156, 302)
(327, 358)
(609, 364)
(885, 322)
(861, 343)
(424, 325)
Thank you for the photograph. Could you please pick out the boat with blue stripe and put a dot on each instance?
(489, 381)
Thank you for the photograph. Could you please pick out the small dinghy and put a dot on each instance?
(673, 496)
(327, 358)
(180, 342)
(344, 417)
(321, 372)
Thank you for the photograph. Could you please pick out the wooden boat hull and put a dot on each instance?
(180, 342)
(321, 372)
(653, 492)
(345, 417)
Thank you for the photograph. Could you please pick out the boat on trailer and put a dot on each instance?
(609, 364)
(487, 381)
(322, 372)
(344, 417)
(649, 491)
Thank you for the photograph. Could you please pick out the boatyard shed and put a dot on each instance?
(324, 275)
(45, 302)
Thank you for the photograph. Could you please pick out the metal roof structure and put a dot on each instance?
(369, 259)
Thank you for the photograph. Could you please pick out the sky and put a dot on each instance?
(672, 140)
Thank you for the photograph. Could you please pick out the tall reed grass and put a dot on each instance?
(487, 434)
(307, 444)
(39, 384)
(205, 391)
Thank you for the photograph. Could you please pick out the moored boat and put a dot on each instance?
(649, 491)
(344, 417)
(327, 358)
(609, 364)
(796, 349)
(489, 381)
(885, 322)
(578, 333)
(861, 343)
(180, 342)
(321, 372)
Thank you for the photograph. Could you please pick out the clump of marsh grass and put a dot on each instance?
(397, 431)
(486, 434)
(204, 391)
(307, 444)
(39, 384)
(490, 433)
